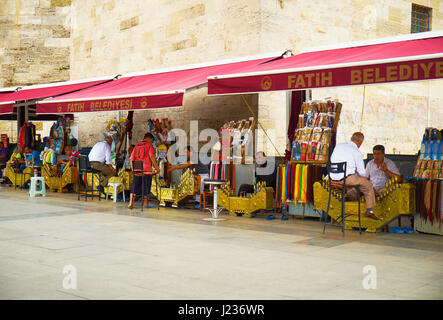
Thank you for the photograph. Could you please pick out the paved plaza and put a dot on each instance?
(110, 252)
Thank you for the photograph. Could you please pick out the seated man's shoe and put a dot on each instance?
(197, 205)
(371, 215)
(407, 230)
(396, 230)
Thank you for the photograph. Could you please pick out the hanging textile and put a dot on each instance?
(26, 136)
(440, 206)
(304, 183)
(277, 187)
(283, 178)
(295, 183)
(222, 171)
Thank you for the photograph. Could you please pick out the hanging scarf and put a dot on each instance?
(283, 198)
(277, 188)
(304, 183)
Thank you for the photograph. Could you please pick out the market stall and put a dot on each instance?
(146, 90)
(59, 166)
(428, 178)
(396, 59)
(233, 162)
(19, 105)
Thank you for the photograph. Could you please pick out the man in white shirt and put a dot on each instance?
(355, 170)
(100, 159)
(381, 169)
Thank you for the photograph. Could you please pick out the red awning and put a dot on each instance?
(6, 107)
(43, 91)
(158, 89)
(404, 58)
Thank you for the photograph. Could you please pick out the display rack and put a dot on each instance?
(316, 127)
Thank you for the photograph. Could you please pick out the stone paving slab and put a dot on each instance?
(175, 254)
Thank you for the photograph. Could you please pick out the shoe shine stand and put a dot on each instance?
(215, 210)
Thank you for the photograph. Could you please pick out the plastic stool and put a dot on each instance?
(114, 186)
(33, 188)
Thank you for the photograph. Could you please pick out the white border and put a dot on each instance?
(205, 64)
(329, 66)
(63, 83)
(8, 89)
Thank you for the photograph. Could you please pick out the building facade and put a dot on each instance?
(112, 37)
(35, 46)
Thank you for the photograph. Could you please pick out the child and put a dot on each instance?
(73, 154)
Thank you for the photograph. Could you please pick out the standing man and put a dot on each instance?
(355, 170)
(262, 173)
(381, 169)
(144, 152)
(4, 156)
(100, 159)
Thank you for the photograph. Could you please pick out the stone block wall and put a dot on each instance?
(114, 37)
(111, 37)
(35, 40)
(211, 112)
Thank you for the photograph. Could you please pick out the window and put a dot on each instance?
(420, 18)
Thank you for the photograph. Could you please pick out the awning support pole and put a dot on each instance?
(428, 121)
(258, 122)
(362, 108)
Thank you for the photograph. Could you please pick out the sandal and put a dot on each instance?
(270, 217)
(149, 206)
(131, 207)
(407, 230)
(396, 230)
(284, 217)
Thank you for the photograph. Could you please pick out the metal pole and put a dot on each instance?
(26, 112)
(428, 122)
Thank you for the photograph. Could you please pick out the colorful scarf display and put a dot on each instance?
(222, 171)
(49, 157)
(27, 136)
(429, 200)
(294, 183)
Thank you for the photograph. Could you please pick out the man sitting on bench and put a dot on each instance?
(355, 170)
(381, 169)
(100, 159)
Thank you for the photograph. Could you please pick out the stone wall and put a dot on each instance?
(211, 112)
(111, 37)
(114, 37)
(35, 40)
